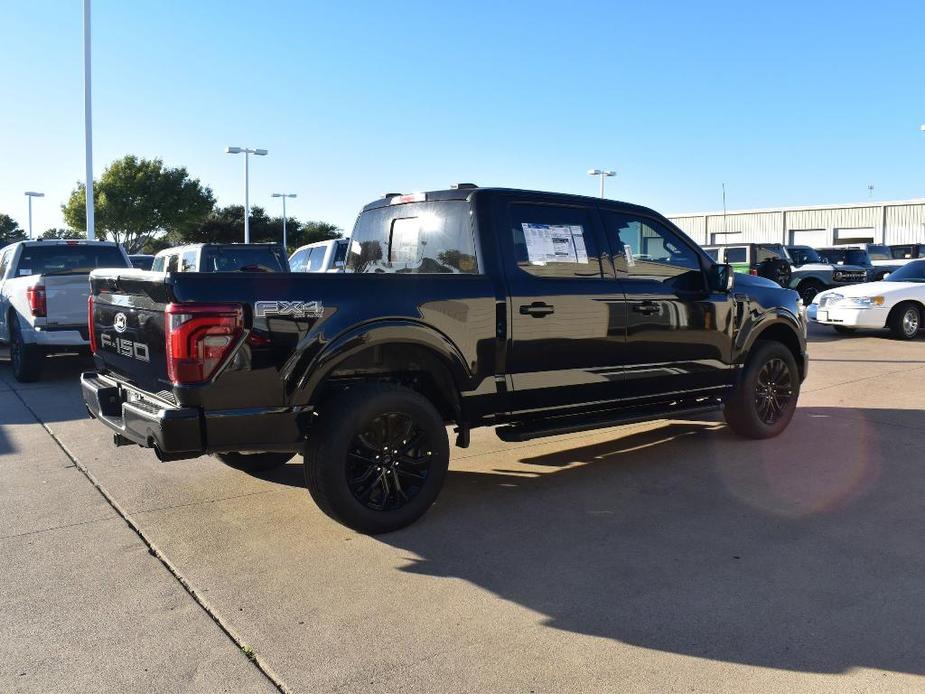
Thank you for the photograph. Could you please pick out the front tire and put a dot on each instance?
(808, 290)
(25, 359)
(765, 399)
(905, 321)
(255, 462)
(377, 457)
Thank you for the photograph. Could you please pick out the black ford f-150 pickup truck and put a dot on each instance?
(537, 313)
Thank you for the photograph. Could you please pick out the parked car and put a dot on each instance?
(43, 297)
(813, 274)
(897, 303)
(322, 256)
(222, 257)
(858, 256)
(768, 260)
(141, 261)
(535, 313)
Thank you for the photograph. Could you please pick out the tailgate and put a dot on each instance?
(66, 299)
(128, 322)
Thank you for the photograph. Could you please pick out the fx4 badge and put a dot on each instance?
(294, 309)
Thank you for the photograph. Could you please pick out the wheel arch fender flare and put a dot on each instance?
(778, 325)
(389, 332)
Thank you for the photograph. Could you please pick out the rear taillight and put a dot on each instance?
(753, 272)
(90, 329)
(36, 298)
(200, 338)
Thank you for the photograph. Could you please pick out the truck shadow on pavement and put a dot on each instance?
(803, 552)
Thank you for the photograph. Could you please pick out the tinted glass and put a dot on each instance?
(173, 263)
(645, 248)
(902, 252)
(855, 256)
(78, 259)
(835, 256)
(802, 256)
(340, 253)
(913, 272)
(712, 252)
(297, 261)
(4, 262)
(316, 260)
(764, 253)
(737, 255)
(243, 259)
(879, 252)
(188, 261)
(554, 241)
(419, 238)
(158, 264)
(142, 262)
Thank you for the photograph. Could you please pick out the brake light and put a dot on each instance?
(36, 297)
(90, 327)
(410, 197)
(753, 272)
(200, 338)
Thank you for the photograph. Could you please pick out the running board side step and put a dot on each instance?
(570, 424)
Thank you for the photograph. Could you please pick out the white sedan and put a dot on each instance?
(897, 303)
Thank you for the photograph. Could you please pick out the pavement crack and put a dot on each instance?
(154, 551)
(56, 527)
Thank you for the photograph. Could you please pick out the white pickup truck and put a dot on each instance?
(44, 288)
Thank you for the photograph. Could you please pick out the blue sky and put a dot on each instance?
(787, 103)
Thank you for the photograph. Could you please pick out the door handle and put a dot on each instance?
(537, 309)
(646, 308)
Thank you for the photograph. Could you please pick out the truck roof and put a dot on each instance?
(465, 191)
(58, 242)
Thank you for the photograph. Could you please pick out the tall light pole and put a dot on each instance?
(603, 173)
(247, 205)
(284, 196)
(32, 194)
(88, 124)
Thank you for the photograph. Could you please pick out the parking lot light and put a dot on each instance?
(32, 194)
(603, 173)
(247, 205)
(284, 196)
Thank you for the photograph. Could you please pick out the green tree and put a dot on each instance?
(9, 230)
(226, 225)
(63, 234)
(140, 199)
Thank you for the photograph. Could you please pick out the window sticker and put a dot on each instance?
(24, 271)
(555, 243)
(628, 252)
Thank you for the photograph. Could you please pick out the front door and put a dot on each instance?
(567, 313)
(679, 333)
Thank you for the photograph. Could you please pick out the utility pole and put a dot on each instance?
(88, 125)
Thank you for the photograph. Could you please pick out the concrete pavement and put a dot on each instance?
(663, 557)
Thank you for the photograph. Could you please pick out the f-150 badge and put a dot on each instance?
(292, 309)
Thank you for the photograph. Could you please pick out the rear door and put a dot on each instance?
(567, 315)
(678, 332)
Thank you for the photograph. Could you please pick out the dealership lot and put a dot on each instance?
(662, 557)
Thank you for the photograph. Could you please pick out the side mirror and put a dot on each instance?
(722, 277)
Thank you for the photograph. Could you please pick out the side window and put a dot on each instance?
(188, 264)
(766, 253)
(315, 259)
(158, 264)
(416, 238)
(902, 252)
(712, 252)
(173, 263)
(297, 262)
(646, 249)
(736, 255)
(5, 262)
(554, 241)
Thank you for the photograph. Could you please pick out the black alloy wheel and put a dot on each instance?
(773, 390)
(376, 457)
(388, 462)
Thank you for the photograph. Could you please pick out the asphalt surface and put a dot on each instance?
(664, 557)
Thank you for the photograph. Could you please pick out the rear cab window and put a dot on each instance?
(414, 238)
(243, 259)
(68, 259)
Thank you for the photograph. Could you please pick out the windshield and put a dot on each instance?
(913, 272)
(879, 252)
(244, 259)
(803, 256)
(61, 259)
(845, 256)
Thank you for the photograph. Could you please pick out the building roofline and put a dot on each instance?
(803, 208)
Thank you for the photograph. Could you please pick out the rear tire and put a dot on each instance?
(844, 330)
(255, 462)
(377, 457)
(25, 359)
(765, 399)
(905, 321)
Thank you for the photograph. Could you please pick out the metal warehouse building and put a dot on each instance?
(902, 221)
